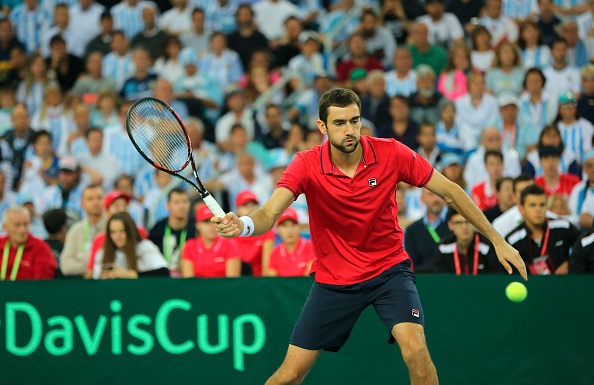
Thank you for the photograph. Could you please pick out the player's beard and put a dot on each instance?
(347, 149)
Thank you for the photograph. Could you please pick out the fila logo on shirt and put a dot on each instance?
(372, 182)
(415, 313)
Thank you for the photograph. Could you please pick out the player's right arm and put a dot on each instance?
(264, 217)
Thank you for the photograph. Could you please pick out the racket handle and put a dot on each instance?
(213, 206)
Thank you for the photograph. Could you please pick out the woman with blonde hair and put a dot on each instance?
(507, 74)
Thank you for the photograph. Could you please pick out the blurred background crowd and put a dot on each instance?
(498, 95)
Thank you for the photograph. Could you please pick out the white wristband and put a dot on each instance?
(248, 226)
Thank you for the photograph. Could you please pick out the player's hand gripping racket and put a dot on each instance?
(162, 139)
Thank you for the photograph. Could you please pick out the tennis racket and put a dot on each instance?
(162, 139)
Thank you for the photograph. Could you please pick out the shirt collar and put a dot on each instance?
(369, 156)
(442, 217)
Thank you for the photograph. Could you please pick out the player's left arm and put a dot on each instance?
(457, 198)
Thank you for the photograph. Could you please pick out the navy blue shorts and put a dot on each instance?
(331, 311)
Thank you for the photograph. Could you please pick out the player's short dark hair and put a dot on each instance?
(494, 153)
(522, 178)
(499, 182)
(451, 212)
(54, 220)
(177, 190)
(531, 190)
(337, 97)
(40, 134)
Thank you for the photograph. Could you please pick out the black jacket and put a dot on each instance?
(582, 256)
(487, 258)
(421, 247)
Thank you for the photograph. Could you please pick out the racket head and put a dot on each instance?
(159, 135)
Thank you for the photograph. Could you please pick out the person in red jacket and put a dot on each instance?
(552, 181)
(485, 194)
(23, 256)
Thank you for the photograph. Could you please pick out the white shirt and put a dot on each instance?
(560, 81)
(404, 87)
(85, 25)
(520, 9)
(235, 182)
(442, 32)
(482, 61)
(476, 118)
(149, 258)
(169, 70)
(225, 122)
(502, 29)
(475, 171)
(270, 16)
(105, 164)
(577, 193)
(585, 22)
(69, 36)
(176, 21)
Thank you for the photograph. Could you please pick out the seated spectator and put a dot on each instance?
(482, 55)
(295, 255)
(125, 254)
(170, 234)
(102, 41)
(31, 89)
(221, 63)
(105, 113)
(395, 19)
(53, 116)
(198, 37)
(271, 14)
(55, 224)
(561, 76)
(451, 166)
(577, 132)
(64, 67)
(67, 192)
(577, 55)
(310, 62)
(118, 64)
(585, 189)
(476, 172)
(422, 238)
(553, 182)
(177, 20)
(550, 136)
(276, 128)
(427, 144)
(477, 108)
(102, 167)
(41, 170)
(507, 73)
(375, 105)
(466, 252)
(450, 136)
(425, 53)
(586, 217)
(379, 42)
(16, 144)
(452, 81)
(534, 51)
(401, 128)
(77, 245)
(586, 100)
(501, 27)
(444, 28)
(27, 257)
(36, 228)
(247, 38)
(238, 113)
(289, 44)
(547, 20)
(124, 189)
(168, 66)
(402, 80)
(504, 190)
(507, 221)
(484, 194)
(357, 58)
(89, 86)
(62, 26)
(142, 84)
(209, 255)
(156, 198)
(16, 69)
(518, 130)
(534, 102)
(557, 204)
(425, 104)
(543, 244)
(255, 250)
(581, 260)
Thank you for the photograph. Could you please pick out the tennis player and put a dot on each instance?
(350, 184)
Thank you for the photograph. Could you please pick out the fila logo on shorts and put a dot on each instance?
(372, 182)
(415, 313)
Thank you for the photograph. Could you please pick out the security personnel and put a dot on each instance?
(543, 243)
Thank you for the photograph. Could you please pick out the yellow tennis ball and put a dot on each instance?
(516, 291)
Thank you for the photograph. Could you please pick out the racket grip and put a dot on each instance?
(214, 206)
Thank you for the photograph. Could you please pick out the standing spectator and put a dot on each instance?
(576, 49)
(504, 190)
(89, 86)
(67, 194)
(553, 182)
(452, 81)
(151, 38)
(177, 20)
(402, 80)
(221, 63)
(425, 104)
(577, 132)
(379, 42)
(547, 20)
(424, 53)
(28, 19)
(543, 244)
(168, 66)
(586, 100)
(422, 238)
(534, 102)
(142, 84)
(585, 189)
(482, 54)
(427, 144)
(582, 256)
(358, 58)
(534, 51)
(102, 41)
(501, 27)
(477, 108)
(16, 144)
(271, 14)
(561, 77)
(25, 256)
(125, 254)
(295, 255)
(127, 16)
(289, 43)
(64, 67)
(509, 220)
(209, 255)
(54, 222)
(401, 127)
(444, 28)
(77, 245)
(101, 166)
(85, 18)
(255, 250)
(466, 252)
(198, 38)
(31, 89)
(507, 73)
(118, 64)
(550, 136)
(484, 194)
(247, 38)
(170, 234)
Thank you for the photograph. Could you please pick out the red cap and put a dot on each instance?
(244, 197)
(203, 213)
(115, 194)
(288, 214)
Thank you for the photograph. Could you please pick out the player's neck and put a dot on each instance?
(177, 223)
(347, 162)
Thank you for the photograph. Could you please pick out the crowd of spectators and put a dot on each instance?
(498, 95)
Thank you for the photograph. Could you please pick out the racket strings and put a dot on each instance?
(159, 135)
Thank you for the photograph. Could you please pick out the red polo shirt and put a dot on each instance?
(353, 222)
(210, 262)
(251, 250)
(37, 262)
(484, 196)
(291, 264)
(563, 187)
